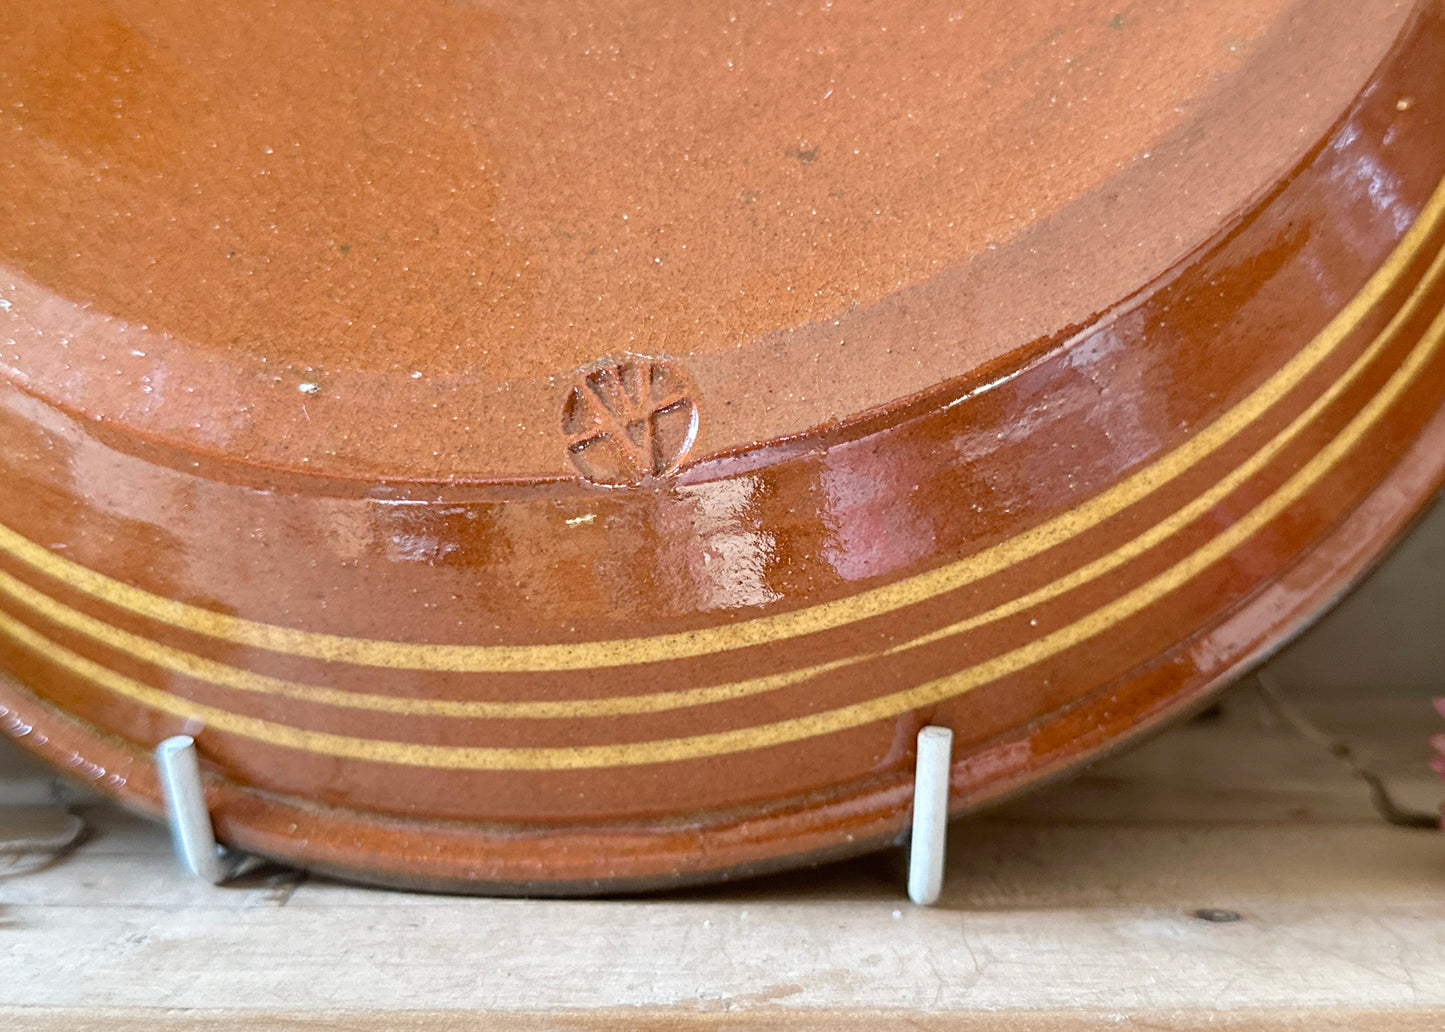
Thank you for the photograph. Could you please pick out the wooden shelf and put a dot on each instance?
(1071, 909)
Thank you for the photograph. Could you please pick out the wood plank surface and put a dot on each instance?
(1075, 908)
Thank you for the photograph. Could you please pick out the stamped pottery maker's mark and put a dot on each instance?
(631, 419)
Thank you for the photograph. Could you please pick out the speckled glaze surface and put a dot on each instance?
(568, 450)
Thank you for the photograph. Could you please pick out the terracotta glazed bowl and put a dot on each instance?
(564, 449)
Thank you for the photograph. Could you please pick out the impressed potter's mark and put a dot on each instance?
(629, 419)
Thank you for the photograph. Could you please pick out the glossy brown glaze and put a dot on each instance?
(647, 640)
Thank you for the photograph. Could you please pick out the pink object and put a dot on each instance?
(1438, 741)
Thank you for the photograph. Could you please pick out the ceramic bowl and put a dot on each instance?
(567, 450)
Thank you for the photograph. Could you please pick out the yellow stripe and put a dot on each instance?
(764, 629)
(192, 666)
(189, 665)
(797, 728)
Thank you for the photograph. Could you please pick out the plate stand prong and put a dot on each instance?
(196, 847)
(190, 822)
(930, 815)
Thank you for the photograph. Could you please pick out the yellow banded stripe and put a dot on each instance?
(760, 630)
(213, 672)
(794, 729)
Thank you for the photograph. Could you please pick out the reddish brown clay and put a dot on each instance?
(565, 450)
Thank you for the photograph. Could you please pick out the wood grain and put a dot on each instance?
(1073, 909)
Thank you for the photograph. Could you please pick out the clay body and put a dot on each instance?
(586, 456)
